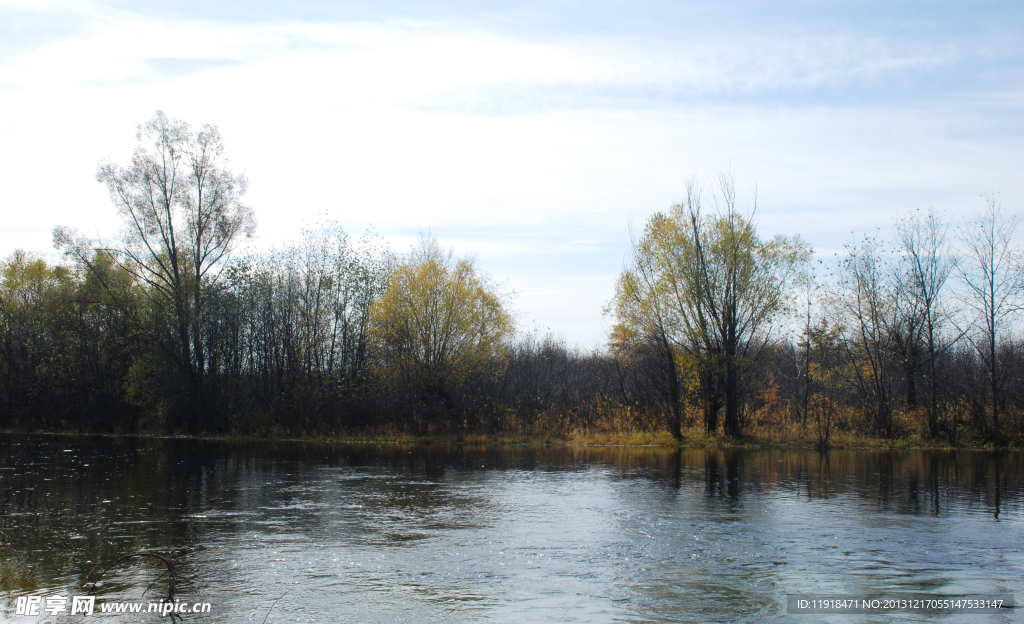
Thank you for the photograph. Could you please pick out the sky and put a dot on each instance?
(535, 134)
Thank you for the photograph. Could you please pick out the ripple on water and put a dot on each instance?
(375, 534)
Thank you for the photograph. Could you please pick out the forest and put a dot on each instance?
(718, 333)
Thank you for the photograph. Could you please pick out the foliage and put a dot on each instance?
(182, 213)
(168, 331)
(438, 323)
(65, 349)
(708, 286)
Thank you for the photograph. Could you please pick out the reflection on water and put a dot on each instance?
(308, 532)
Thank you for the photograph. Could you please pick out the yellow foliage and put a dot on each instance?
(437, 322)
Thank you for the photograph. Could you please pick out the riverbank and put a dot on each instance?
(793, 437)
(697, 439)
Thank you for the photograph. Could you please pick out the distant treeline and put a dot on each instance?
(715, 330)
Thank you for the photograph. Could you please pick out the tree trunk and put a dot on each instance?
(732, 408)
(933, 417)
(910, 370)
(672, 374)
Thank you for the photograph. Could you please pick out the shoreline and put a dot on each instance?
(659, 440)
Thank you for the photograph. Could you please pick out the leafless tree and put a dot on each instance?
(866, 308)
(928, 261)
(993, 278)
(183, 215)
(810, 306)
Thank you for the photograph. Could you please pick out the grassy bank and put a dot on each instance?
(692, 439)
(763, 430)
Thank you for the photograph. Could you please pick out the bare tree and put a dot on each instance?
(929, 262)
(994, 280)
(907, 329)
(823, 375)
(866, 305)
(183, 216)
(810, 304)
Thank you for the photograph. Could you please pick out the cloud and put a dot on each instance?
(441, 67)
(527, 136)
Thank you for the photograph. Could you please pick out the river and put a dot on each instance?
(315, 532)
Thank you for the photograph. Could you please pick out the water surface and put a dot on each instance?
(304, 532)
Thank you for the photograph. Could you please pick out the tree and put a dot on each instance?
(929, 262)
(907, 326)
(732, 287)
(867, 307)
(33, 308)
(715, 290)
(809, 302)
(823, 375)
(642, 315)
(993, 276)
(438, 322)
(183, 215)
(292, 330)
(64, 352)
(337, 282)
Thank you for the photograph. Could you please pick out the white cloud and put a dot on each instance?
(517, 147)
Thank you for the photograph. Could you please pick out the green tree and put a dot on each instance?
(64, 351)
(34, 297)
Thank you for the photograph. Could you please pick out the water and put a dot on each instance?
(304, 532)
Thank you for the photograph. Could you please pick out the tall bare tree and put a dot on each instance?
(867, 306)
(183, 215)
(993, 277)
(929, 261)
(809, 303)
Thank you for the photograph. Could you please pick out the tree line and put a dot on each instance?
(914, 336)
(716, 330)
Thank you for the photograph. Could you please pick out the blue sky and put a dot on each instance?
(530, 133)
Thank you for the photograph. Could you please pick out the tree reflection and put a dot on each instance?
(70, 505)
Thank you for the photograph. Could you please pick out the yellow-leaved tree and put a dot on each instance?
(439, 323)
(707, 290)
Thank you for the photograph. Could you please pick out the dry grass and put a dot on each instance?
(776, 432)
(773, 425)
